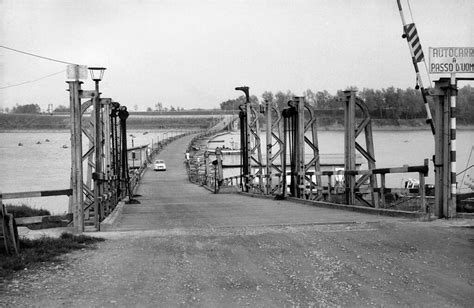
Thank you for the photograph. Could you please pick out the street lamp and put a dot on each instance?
(97, 73)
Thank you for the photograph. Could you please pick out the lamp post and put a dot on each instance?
(97, 73)
(244, 139)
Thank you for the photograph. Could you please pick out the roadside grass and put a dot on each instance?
(45, 249)
(25, 211)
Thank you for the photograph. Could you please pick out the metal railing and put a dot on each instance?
(338, 191)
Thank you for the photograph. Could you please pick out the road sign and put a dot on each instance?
(76, 72)
(448, 60)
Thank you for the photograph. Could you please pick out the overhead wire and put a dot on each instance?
(37, 56)
(31, 81)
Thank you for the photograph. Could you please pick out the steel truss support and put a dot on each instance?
(95, 196)
(351, 145)
(274, 132)
(250, 145)
(300, 127)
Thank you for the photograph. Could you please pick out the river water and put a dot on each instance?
(43, 162)
(45, 165)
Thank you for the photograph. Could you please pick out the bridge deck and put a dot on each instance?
(169, 200)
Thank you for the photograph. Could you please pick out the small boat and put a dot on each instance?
(20, 144)
(65, 146)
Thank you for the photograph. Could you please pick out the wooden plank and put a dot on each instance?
(34, 194)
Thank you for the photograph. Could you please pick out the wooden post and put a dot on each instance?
(422, 192)
(442, 161)
(382, 190)
(76, 156)
(329, 198)
(349, 145)
(268, 171)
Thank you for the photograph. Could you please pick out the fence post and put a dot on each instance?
(382, 190)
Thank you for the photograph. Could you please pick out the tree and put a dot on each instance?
(323, 99)
(233, 104)
(267, 96)
(282, 99)
(62, 108)
(310, 98)
(159, 107)
(30, 108)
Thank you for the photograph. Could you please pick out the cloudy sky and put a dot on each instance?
(192, 54)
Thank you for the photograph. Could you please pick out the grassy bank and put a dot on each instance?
(41, 250)
(10, 122)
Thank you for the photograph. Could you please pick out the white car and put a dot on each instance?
(159, 165)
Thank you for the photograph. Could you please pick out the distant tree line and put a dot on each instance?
(29, 108)
(389, 103)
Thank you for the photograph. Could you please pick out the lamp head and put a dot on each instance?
(97, 73)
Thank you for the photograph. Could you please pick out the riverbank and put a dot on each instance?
(41, 122)
(12, 123)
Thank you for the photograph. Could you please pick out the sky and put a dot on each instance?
(192, 54)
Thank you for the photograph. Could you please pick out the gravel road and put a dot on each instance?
(186, 247)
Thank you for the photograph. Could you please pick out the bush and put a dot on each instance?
(25, 211)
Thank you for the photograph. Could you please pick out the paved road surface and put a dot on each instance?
(184, 246)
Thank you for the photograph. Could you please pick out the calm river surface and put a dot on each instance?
(46, 165)
(42, 163)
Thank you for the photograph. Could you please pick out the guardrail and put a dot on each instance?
(8, 229)
(333, 193)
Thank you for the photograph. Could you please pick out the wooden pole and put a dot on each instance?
(76, 156)
(268, 171)
(349, 145)
(382, 190)
(442, 149)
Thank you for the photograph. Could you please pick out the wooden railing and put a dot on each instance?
(8, 228)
